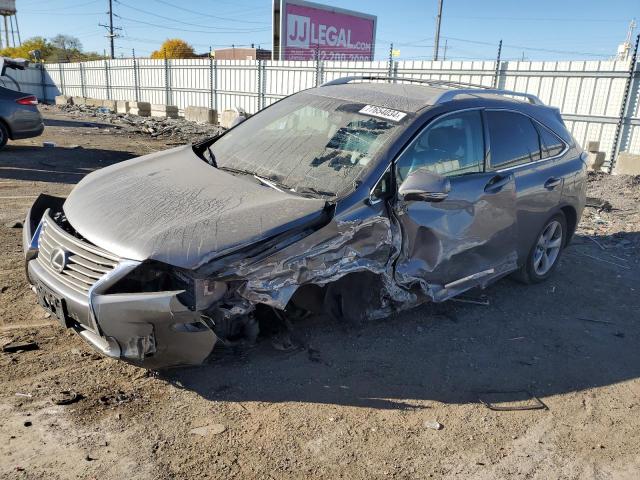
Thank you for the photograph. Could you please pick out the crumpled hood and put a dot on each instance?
(173, 207)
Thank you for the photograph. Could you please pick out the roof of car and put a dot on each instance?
(410, 97)
(398, 96)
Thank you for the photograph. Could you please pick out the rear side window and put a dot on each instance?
(551, 144)
(514, 139)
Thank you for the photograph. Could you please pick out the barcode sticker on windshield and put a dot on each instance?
(381, 112)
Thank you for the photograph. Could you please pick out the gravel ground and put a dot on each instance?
(400, 397)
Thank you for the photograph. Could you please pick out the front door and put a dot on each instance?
(469, 238)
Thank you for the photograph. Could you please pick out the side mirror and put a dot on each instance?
(423, 185)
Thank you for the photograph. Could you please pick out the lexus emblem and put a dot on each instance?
(59, 258)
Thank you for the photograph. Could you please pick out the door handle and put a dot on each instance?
(497, 183)
(552, 183)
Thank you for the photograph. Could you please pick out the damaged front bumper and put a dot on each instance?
(150, 329)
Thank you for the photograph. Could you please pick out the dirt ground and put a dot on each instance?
(361, 400)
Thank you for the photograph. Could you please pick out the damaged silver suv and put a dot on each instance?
(355, 199)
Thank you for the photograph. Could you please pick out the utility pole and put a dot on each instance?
(110, 28)
(436, 45)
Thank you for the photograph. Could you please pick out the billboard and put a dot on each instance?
(306, 31)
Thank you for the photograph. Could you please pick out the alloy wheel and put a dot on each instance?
(547, 248)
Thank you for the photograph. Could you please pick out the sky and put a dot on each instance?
(471, 29)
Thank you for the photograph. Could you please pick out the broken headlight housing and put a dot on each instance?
(197, 293)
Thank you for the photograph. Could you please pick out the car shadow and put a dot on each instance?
(55, 164)
(577, 331)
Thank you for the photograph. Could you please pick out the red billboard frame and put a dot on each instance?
(307, 31)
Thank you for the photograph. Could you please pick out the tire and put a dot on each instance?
(4, 135)
(544, 256)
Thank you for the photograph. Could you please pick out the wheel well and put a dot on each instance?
(571, 217)
(6, 126)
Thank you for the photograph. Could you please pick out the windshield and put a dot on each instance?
(306, 143)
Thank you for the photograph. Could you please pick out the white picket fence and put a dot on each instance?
(590, 94)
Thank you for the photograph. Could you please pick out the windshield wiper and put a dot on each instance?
(314, 191)
(212, 158)
(235, 170)
(269, 183)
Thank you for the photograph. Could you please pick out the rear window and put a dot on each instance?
(514, 139)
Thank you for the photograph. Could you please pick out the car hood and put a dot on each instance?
(175, 208)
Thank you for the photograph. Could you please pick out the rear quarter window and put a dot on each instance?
(514, 139)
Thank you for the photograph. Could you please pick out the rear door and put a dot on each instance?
(468, 238)
(531, 153)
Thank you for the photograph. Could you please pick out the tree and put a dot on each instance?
(35, 43)
(174, 48)
(66, 48)
(61, 48)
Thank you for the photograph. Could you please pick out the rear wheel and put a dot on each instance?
(545, 253)
(4, 135)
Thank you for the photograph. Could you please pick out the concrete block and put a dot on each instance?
(627, 164)
(142, 109)
(164, 111)
(63, 100)
(79, 100)
(201, 115)
(595, 161)
(94, 102)
(110, 104)
(122, 106)
(227, 118)
(593, 146)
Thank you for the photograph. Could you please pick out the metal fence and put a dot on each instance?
(599, 100)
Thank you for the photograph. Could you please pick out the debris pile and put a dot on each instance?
(178, 129)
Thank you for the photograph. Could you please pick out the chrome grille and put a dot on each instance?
(83, 263)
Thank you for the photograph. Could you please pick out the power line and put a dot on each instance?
(533, 49)
(168, 27)
(228, 19)
(539, 19)
(174, 20)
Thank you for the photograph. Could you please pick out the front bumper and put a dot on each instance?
(151, 330)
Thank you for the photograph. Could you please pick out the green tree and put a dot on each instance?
(35, 43)
(61, 48)
(174, 48)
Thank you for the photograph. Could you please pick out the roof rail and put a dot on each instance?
(445, 96)
(451, 94)
(426, 81)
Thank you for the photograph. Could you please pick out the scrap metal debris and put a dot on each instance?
(66, 397)
(117, 398)
(433, 425)
(479, 300)
(511, 401)
(599, 203)
(178, 128)
(19, 347)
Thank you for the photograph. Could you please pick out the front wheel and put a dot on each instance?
(545, 253)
